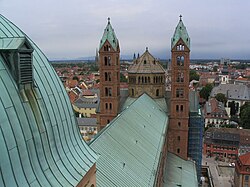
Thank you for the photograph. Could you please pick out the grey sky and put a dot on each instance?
(73, 28)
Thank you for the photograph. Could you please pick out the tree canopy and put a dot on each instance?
(221, 98)
(244, 115)
(193, 75)
(206, 91)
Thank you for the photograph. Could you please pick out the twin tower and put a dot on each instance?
(152, 83)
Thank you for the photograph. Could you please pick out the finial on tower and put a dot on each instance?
(180, 17)
(108, 20)
(146, 48)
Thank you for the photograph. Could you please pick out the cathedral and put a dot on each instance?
(184, 124)
(147, 137)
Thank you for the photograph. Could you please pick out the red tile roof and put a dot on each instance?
(245, 159)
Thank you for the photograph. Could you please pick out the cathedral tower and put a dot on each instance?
(179, 111)
(109, 66)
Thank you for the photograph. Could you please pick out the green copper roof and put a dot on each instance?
(130, 146)
(109, 35)
(180, 33)
(40, 143)
(179, 172)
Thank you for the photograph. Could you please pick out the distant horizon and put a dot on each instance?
(72, 29)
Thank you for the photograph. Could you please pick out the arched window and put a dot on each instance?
(178, 138)
(148, 79)
(139, 80)
(157, 92)
(106, 91)
(180, 77)
(106, 106)
(132, 92)
(180, 61)
(105, 61)
(109, 61)
(182, 108)
(110, 106)
(180, 92)
(106, 76)
(109, 91)
(178, 150)
(142, 80)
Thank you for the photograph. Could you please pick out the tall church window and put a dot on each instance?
(177, 108)
(182, 108)
(180, 77)
(105, 61)
(157, 92)
(106, 91)
(180, 61)
(178, 150)
(180, 92)
(109, 61)
(110, 106)
(106, 106)
(107, 76)
(132, 92)
(109, 91)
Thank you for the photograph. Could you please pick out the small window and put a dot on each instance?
(179, 124)
(178, 138)
(133, 92)
(177, 108)
(145, 62)
(157, 92)
(108, 121)
(182, 108)
(106, 106)
(180, 92)
(178, 150)
(110, 106)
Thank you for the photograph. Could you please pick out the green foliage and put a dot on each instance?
(193, 75)
(75, 78)
(123, 78)
(94, 68)
(245, 115)
(221, 97)
(206, 91)
(215, 68)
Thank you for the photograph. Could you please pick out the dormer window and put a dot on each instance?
(17, 53)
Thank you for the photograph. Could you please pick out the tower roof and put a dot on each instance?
(146, 64)
(180, 33)
(109, 34)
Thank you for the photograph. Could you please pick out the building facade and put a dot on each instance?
(109, 66)
(179, 102)
(242, 171)
(226, 143)
(146, 75)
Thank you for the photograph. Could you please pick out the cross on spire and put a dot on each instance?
(108, 20)
(180, 17)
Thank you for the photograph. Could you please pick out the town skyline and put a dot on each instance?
(70, 30)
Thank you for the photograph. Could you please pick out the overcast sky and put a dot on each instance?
(73, 28)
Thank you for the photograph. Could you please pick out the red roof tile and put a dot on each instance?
(245, 159)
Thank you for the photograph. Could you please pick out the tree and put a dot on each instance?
(244, 115)
(122, 78)
(75, 78)
(221, 98)
(205, 91)
(193, 75)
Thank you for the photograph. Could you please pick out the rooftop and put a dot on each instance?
(245, 159)
(146, 63)
(39, 139)
(130, 146)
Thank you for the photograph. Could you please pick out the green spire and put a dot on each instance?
(109, 34)
(180, 33)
